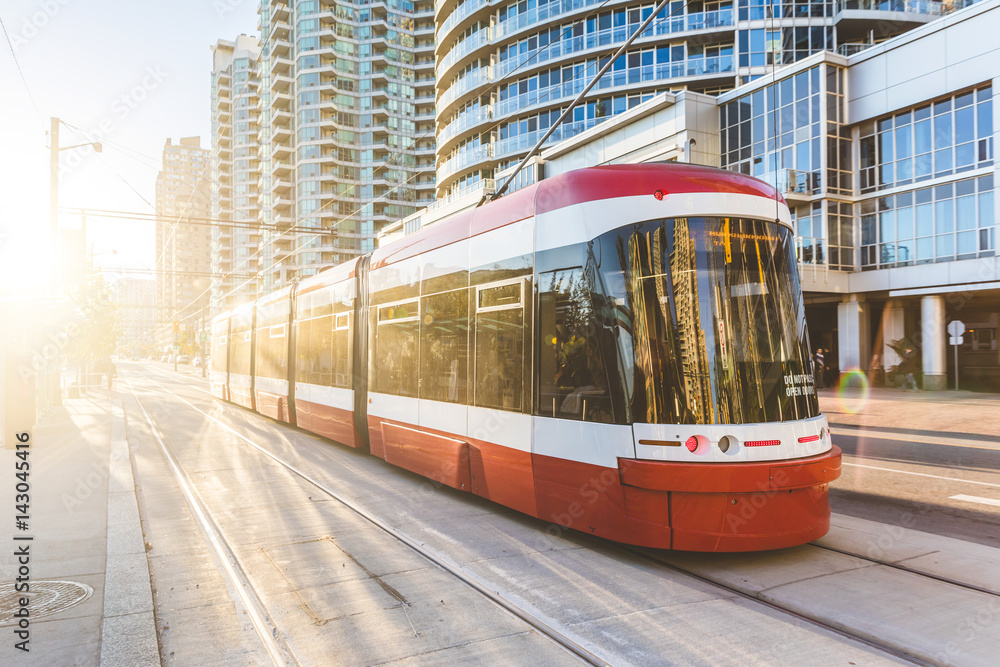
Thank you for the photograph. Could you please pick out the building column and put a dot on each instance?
(893, 328)
(932, 329)
(852, 335)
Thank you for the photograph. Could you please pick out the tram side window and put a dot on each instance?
(219, 346)
(500, 346)
(396, 336)
(444, 346)
(240, 352)
(272, 354)
(342, 351)
(313, 344)
(572, 379)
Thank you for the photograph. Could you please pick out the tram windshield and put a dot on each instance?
(710, 322)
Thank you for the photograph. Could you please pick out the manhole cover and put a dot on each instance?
(46, 598)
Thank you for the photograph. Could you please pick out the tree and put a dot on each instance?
(97, 318)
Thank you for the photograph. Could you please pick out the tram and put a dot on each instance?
(619, 350)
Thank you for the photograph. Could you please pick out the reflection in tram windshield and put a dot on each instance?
(709, 321)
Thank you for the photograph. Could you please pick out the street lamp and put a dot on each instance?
(54, 193)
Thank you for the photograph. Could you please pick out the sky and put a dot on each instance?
(129, 73)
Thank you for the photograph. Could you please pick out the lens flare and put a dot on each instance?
(853, 391)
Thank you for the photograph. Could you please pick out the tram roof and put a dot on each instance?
(567, 189)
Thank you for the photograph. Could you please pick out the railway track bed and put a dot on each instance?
(806, 605)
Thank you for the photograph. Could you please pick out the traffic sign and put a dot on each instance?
(956, 328)
(204, 336)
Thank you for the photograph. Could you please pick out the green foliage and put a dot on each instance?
(98, 319)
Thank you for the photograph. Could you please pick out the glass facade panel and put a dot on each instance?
(949, 137)
(929, 225)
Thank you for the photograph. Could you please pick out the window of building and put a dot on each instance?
(947, 137)
(934, 224)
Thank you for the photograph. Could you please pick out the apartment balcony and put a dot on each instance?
(281, 101)
(281, 134)
(464, 88)
(280, 186)
(463, 160)
(280, 152)
(462, 126)
(459, 17)
(462, 51)
(281, 47)
(854, 18)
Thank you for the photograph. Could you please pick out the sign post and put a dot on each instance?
(955, 329)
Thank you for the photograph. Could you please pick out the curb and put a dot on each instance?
(128, 630)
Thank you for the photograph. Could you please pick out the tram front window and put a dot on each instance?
(710, 321)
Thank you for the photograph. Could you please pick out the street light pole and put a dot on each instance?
(54, 202)
(54, 150)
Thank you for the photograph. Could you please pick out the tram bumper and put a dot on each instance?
(740, 506)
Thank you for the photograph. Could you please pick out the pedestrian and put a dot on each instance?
(908, 367)
(819, 367)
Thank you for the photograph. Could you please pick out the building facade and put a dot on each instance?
(235, 172)
(346, 128)
(507, 70)
(183, 237)
(887, 161)
(136, 299)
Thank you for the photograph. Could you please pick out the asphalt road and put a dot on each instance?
(922, 480)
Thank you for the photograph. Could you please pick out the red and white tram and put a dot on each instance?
(621, 350)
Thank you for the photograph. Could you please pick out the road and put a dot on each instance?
(278, 555)
(926, 481)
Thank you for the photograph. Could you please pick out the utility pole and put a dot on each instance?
(54, 202)
(201, 343)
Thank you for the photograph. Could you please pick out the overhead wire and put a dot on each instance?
(20, 71)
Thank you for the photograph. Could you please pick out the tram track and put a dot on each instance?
(820, 620)
(269, 633)
(806, 618)
(238, 581)
(903, 568)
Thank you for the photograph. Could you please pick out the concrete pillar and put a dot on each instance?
(933, 342)
(852, 335)
(893, 328)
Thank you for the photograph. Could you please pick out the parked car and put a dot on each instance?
(196, 362)
(164, 359)
(184, 359)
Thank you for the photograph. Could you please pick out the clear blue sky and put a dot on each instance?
(136, 69)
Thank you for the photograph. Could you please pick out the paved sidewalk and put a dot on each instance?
(959, 412)
(90, 600)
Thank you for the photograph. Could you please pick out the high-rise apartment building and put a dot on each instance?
(136, 299)
(183, 250)
(346, 127)
(507, 70)
(235, 171)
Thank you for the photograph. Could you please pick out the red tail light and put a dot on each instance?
(761, 443)
(809, 438)
(691, 443)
